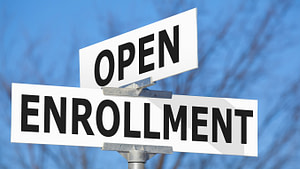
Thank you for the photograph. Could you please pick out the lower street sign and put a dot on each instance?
(87, 117)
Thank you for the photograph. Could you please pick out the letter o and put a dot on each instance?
(110, 57)
(99, 118)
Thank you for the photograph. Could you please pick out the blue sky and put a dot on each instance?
(40, 43)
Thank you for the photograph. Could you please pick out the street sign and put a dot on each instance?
(159, 50)
(86, 117)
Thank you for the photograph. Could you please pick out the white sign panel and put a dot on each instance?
(86, 117)
(159, 50)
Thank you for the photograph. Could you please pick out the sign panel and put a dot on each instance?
(86, 117)
(159, 50)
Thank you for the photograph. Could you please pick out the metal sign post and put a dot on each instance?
(137, 155)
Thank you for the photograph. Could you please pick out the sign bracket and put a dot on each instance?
(137, 155)
(137, 89)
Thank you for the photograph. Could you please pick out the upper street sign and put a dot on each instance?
(86, 117)
(159, 50)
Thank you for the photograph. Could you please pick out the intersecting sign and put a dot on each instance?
(86, 116)
(159, 50)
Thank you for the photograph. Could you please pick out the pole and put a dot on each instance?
(137, 159)
(137, 155)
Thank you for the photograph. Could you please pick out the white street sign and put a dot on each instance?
(159, 50)
(86, 117)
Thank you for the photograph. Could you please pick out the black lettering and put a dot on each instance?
(244, 114)
(109, 55)
(25, 112)
(145, 52)
(128, 132)
(59, 119)
(173, 49)
(198, 122)
(181, 117)
(226, 130)
(99, 118)
(124, 63)
(148, 133)
(82, 118)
